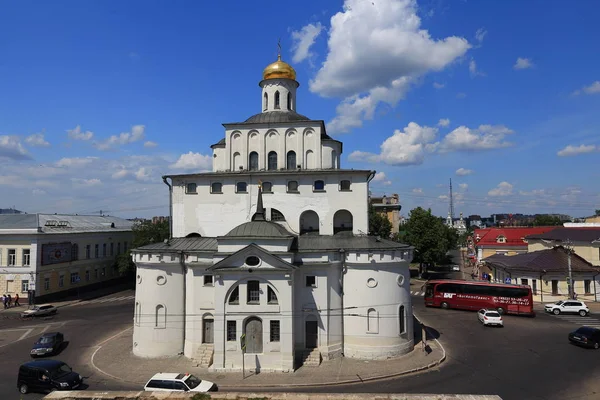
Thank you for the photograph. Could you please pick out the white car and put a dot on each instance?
(455, 267)
(490, 317)
(173, 382)
(567, 306)
(39, 311)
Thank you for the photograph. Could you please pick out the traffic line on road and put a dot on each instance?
(418, 293)
(575, 319)
(23, 336)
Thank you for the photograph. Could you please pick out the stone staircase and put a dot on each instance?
(311, 358)
(204, 355)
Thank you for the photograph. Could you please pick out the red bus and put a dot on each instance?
(475, 295)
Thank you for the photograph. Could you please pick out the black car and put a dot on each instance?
(586, 336)
(49, 343)
(47, 376)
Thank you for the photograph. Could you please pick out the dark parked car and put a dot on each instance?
(586, 336)
(46, 376)
(49, 343)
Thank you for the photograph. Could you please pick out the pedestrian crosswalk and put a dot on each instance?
(104, 300)
(590, 320)
(417, 293)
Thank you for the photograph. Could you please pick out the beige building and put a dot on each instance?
(389, 207)
(53, 255)
(585, 241)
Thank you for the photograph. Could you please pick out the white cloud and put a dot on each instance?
(143, 174)
(86, 182)
(463, 186)
(77, 134)
(120, 174)
(437, 85)
(594, 88)
(381, 178)
(461, 95)
(473, 69)
(195, 161)
(575, 150)
(11, 148)
(503, 189)
(375, 50)
(150, 144)
(136, 134)
(523, 63)
(443, 197)
(464, 172)
(417, 190)
(534, 192)
(406, 147)
(76, 162)
(37, 140)
(486, 137)
(480, 35)
(38, 192)
(444, 122)
(303, 41)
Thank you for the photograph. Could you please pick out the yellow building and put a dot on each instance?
(585, 241)
(390, 208)
(50, 255)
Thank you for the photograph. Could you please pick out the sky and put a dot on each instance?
(99, 99)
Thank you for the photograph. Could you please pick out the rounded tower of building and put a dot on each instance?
(279, 87)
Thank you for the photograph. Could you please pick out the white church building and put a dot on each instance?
(269, 264)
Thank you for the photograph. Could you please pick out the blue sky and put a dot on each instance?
(100, 98)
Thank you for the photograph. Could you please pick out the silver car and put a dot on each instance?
(43, 310)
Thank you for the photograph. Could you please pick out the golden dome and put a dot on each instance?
(279, 69)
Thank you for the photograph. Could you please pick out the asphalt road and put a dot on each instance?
(530, 358)
(84, 326)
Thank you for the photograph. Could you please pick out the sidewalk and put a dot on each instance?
(115, 359)
(68, 300)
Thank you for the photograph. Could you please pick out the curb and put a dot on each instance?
(291, 385)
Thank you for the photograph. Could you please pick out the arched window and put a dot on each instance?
(216, 187)
(402, 320)
(292, 186)
(310, 160)
(267, 187)
(309, 222)
(241, 187)
(291, 159)
(253, 161)
(271, 296)
(372, 321)
(345, 185)
(277, 100)
(237, 164)
(266, 102)
(272, 164)
(160, 317)
(342, 221)
(191, 188)
(289, 101)
(276, 215)
(193, 235)
(234, 298)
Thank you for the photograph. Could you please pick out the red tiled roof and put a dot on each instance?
(488, 237)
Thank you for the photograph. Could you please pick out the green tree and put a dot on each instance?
(144, 233)
(546, 220)
(429, 236)
(379, 225)
(597, 212)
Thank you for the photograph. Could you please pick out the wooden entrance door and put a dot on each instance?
(312, 334)
(254, 335)
(208, 331)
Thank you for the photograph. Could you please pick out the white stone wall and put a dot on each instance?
(159, 307)
(285, 87)
(374, 290)
(217, 214)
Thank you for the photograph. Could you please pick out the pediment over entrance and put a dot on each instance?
(252, 257)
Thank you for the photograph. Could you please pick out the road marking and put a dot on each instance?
(417, 293)
(99, 346)
(23, 336)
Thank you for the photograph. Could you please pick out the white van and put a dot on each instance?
(173, 382)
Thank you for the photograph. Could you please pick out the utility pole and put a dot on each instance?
(568, 245)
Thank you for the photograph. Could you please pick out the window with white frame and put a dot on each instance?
(274, 334)
(26, 257)
(46, 283)
(24, 286)
(231, 331)
(253, 292)
(12, 257)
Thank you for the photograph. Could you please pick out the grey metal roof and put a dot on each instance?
(18, 221)
(259, 229)
(583, 234)
(550, 260)
(61, 223)
(184, 244)
(346, 241)
(274, 117)
(219, 143)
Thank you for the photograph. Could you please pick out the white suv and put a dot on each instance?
(567, 306)
(172, 382)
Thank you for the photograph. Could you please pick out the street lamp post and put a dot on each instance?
(568, 245)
